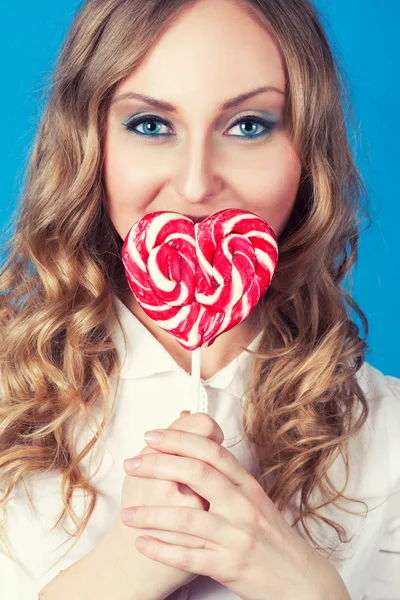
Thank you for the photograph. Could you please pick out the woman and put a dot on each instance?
(302, 499)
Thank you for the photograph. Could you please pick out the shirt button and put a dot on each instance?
(204, 400)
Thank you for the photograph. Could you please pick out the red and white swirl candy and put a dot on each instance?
(198, 280)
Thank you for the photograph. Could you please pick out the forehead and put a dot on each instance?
(212, 51)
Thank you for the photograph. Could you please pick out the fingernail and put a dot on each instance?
(130, 464)
(141, 543)
(154, 437)
(127, 514)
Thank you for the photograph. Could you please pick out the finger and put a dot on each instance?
(195, 446)
(210, 528)
(173, 537)
(185, 490)
(199, 423)
(188, 559)
(200, 476)
(202, 424)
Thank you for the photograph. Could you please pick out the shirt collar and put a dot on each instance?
(146, 356)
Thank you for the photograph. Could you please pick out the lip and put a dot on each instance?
(196, 219)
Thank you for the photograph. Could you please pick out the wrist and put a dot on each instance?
(119, 543)
(333, 586)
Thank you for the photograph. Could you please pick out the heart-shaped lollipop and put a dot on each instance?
(198, 280)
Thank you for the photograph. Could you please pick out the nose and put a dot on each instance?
(196, 178)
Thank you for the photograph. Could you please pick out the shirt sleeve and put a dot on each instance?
(31, 546)
(15, 583)
(385, 581)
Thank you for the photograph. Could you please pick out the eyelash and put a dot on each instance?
(270, 125)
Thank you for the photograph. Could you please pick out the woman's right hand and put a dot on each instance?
(138, 491)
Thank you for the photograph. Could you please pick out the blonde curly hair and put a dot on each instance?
(63, 266)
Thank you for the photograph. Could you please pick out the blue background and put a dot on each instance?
(366, 39)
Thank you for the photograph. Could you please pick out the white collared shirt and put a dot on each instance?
(152, 391)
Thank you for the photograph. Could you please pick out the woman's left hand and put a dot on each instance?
(242, 541)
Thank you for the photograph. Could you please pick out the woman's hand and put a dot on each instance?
(242, 541)
(162, 580)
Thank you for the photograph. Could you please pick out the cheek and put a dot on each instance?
(126, 177)
(274, 195)
(128, 188)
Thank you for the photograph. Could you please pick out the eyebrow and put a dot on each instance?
(162, 105)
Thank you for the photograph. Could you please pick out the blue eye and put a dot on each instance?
(149, 131)
(247, 126)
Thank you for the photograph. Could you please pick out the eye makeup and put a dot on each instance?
(268, 122)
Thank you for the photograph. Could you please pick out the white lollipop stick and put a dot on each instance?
(195, 375)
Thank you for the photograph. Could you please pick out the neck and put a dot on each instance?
(213, 358)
